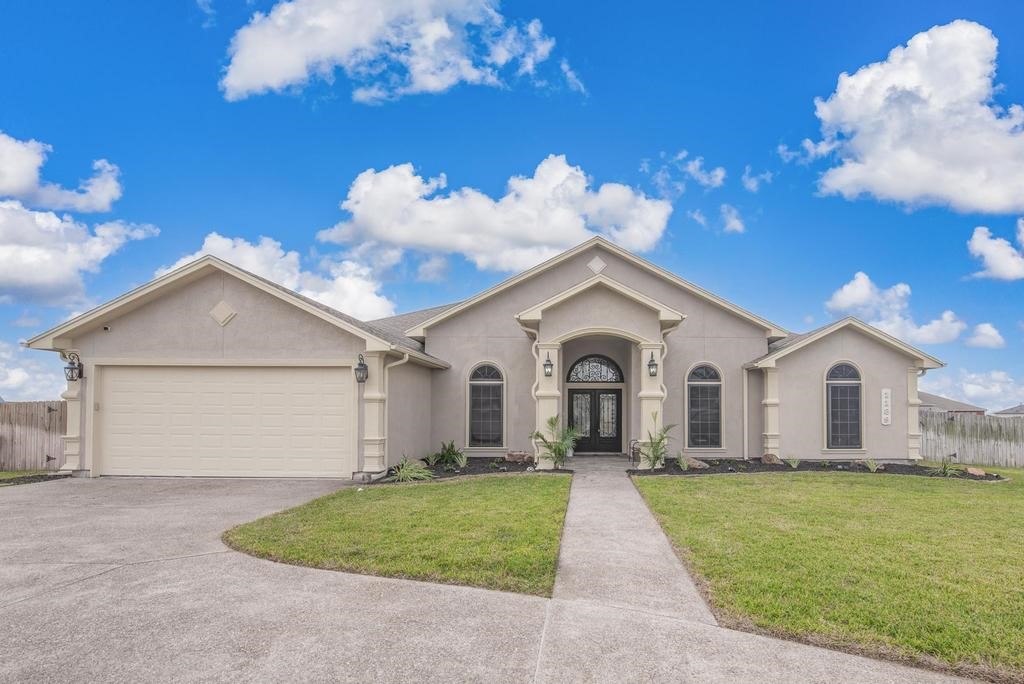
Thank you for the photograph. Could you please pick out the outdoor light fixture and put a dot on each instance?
(74, 370)
(362, 370)
(652, 366)
(549, 367)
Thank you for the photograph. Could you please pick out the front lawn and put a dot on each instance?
(14, 474)
(923, 569)
(498, 532)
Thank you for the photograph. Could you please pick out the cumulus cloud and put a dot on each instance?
(344, 284)
(209, 13)
(994, 389)
(670, 172)
(43, 255)
(922, 127)
(28, 376)
(752, 181)
(731, 221)
(698, 216)
(387, 49)
(432, 269)
(20, 164)
(1001, 259)
(538, 217)
(986, 336)
(889, 310)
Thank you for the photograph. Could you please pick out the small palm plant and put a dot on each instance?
(562, 441)
(410, 471)
(793, 463)
(656, 449)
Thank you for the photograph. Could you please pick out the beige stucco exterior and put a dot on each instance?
(594, 299)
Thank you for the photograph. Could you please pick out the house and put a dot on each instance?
(1014, 412)
(934, 403)
(210, 370)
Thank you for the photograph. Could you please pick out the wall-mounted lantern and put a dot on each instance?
(652, 367)
(74, 370)
(362, 370)
(549, 367)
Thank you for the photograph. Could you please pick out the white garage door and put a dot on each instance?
(225, 421)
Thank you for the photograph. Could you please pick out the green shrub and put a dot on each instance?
(684, 464)
(450, 457)
(793, 463)
(946, 469)
(654, 452)
(562, 441)
(410, 471)
(871, 464)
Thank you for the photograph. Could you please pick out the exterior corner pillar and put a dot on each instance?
(375, 404)
(548, 395)
(651, 395)
(73, 432)
(770, 403)
(913, 416)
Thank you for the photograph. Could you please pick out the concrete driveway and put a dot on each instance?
(127, 580)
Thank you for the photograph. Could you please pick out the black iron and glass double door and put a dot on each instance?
(597, 416)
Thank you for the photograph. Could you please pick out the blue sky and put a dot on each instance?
(220, 121)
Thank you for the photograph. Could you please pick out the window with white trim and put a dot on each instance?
(704, 408)
(486, 407)
(843, 407)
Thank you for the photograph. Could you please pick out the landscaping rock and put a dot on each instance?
(771, 459)
(976, 472)
(519, 457)
(694, 464)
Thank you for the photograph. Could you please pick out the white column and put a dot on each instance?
(651, 396)
(771, 412)
(549, 394)
(73, 433)
(913, 417)
(374, 415)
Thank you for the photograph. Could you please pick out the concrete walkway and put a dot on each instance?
(125, 579)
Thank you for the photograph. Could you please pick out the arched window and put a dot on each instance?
(704, 408)
(843, 410)
(486, 407)
(595, 368)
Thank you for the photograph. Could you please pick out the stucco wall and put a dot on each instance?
(489, 331)
(802, 397)
(409, 408)
(178, 326)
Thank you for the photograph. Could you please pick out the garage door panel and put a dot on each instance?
(225, 421)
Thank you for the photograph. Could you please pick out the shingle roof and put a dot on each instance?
(947, 404)
(402, 322)
(1014, 411)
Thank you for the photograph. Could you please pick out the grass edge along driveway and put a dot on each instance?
(497, 532)
(922, 570)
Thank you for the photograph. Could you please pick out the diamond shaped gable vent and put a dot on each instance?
(223, 313)
(596, 265)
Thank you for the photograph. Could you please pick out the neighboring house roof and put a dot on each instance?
(947, 404)
(378, 338)
(418, 330)
(781, 348)
(1014, 411)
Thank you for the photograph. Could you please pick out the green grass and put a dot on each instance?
(11, 474)
(498, 532)
(923, 569)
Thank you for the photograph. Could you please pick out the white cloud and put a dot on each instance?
(889, 310)
(29, 376)
(670, 175)
(43, 255)
(994, 390)
(731, 220)
(390, 48)
(698, 216)
(710, 178)
(432, 269)
(752, 182)
(209, 13)
(986, 336)
(345, 284)
(922, 127)
(1002, 260)
(537, 218)
(20, 165)
(571, 79)
(26, 321)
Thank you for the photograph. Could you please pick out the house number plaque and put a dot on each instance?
(887, 406)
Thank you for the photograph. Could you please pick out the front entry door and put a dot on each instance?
(597, 415)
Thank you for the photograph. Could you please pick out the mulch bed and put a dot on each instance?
(721, 466)
(486, 466)
(28, 479)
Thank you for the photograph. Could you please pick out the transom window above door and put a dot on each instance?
(595, 368)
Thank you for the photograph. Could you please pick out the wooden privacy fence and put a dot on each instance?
(978, 440)
(30, 435)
